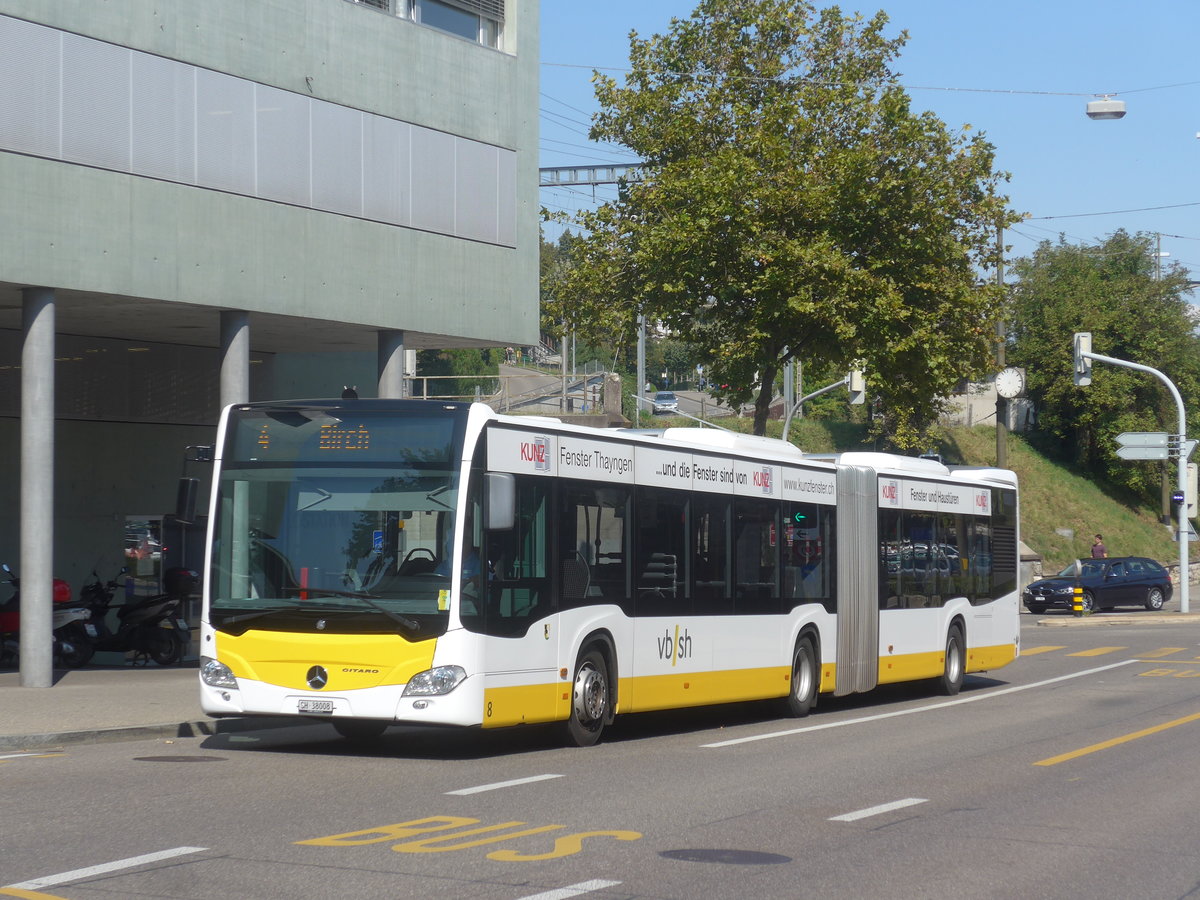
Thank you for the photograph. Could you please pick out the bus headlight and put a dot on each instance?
(431, 682)
(216, 674)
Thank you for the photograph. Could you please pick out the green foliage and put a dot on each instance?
(439, 365)
(1057, 497)
(1111, 290)
(792, 205)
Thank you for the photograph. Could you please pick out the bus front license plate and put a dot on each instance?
(324, 707)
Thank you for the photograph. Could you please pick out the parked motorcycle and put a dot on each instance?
(152, 628)
(71, 645)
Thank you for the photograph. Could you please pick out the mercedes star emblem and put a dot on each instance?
(317, 677)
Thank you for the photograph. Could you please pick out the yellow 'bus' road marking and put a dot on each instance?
(28, 895)
(1163, 651)
(1032, 651)
(1104, 745)
(1096, 651)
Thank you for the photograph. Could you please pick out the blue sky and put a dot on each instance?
(1020, 71)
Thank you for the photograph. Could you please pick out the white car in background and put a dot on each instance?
(665, 402)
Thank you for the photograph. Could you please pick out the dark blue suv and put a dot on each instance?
(1106, 583)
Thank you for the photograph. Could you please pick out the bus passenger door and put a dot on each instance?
(517, 612)
(858, 560)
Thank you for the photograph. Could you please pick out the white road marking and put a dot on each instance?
(501, 784)
(572, 890)
(876, 810)
(984, 695)
(105, 868)
(29, 753)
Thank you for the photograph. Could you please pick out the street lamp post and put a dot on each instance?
(1184, 447)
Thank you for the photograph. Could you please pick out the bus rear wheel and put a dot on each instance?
(802, 696)
(590, 700)
(952, 676)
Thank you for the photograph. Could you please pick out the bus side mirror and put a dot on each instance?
(185, 500)
(500, 501)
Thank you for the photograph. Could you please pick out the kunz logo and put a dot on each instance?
(763, 479)
(317, 677)
(536, 451)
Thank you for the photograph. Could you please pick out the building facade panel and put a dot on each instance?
(132, 119)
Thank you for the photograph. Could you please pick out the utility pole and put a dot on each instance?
(1001, 338)
(641, 372)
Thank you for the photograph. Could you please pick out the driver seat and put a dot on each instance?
(419, 565)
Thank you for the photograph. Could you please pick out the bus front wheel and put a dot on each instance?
(590, 699)
(952, 676)
(802, 696)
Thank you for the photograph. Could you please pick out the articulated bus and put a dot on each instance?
(381, 562)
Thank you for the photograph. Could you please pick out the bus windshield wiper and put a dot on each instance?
(411, 625)
(260, 613)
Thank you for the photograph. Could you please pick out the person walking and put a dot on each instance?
(1099, 551)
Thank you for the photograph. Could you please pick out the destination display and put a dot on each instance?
(320, 436)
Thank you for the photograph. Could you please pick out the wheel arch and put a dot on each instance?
(959, 621)
(811, 631)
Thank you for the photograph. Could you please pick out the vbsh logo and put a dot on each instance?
(675, 647)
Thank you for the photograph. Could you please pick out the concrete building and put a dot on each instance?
(214, 202)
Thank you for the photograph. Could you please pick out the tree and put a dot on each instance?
(792, 205)
(679, 359)
(611, 344)
(438, 365)
(1111, 290)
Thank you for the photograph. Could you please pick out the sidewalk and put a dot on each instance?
(108, 703)
(1126, 615)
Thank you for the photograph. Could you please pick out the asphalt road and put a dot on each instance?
(1067, 774)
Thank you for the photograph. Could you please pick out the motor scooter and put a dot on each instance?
(71, 645)
(152, 628)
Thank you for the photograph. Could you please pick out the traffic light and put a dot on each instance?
(858, 391)
(1083, 365)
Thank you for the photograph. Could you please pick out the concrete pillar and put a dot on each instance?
(390, 364)
(37, 486)
(612, 394)
(235, 357)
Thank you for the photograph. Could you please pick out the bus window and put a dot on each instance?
(807, 553)
(710, 554)
(890, 554)
(517, 585)
(756, 556)
(979, 559)
(660, 551)
(592, 530)
(952, 561)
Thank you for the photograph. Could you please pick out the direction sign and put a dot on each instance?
(1143, 439)
(1142, 452)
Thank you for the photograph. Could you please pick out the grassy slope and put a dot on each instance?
(1052, 496)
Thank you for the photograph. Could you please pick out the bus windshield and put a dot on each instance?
(343, 512)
